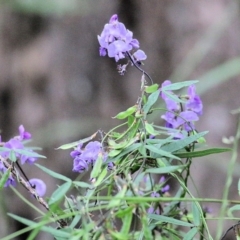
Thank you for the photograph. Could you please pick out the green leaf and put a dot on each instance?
(161, 152)
(126, 224)
(122, 212)
(34, 225)
(60, 192)
(12, 156)
(179, 85)
(127, 150)
(74, 144)
(4, 178)
(180, 144)
(116, 202)
(152, 88)
(117, 235)
(150, 129)
(131, 119)
(190, 235)
(145, 226)
(125, 114)
(167, 169)
(101, 177)
(75, 221)
(133, 130)
(28, 153)
(232, 209)
(114, 145)
(202, 153)
(3, 149)
(173, 97)
(97, 166)
(54, 174)
(161, 218)
(151, 100)
(82, 184)
(196, 214)
(69, 145)
(114, 153)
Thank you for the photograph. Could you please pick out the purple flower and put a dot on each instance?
(10, 181)
(83, 157)
(79, 165)
(139, 56)
(181, 116)
(155, 194)
(39, 186)
(77, 152)
(15, 144)
(115, 40)
(23, 134)
(12, 144)
(170, 103)
(27, 159)
(91, 151)
(194, 103)
(117, 49)
(150, 210)
(110, 166)
(166, 188)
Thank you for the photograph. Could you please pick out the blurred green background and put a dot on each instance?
(53, 81)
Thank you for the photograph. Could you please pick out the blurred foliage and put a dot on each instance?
(48, 7)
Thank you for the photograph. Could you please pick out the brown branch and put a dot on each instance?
(62, 223)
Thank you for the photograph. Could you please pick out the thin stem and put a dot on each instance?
(23, 173)
(228, 181)
(137, 66)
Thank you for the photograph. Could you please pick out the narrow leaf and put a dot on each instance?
(74, 144)
(116, 202)
(33, 225)
(101, 177)
(190, 235)
(180, 144)
(60, 192)
(179, 85)
(4, 178)
(161, 218)
(164, 169)
(150, 129)
(127, 221)
(97, 166)
(173, 97)
(161, 152)
(196, 214)
(125, 114)
(151, 100)
(28, 153)
(202, 153)
(53, 174)
(152, 88)
(82, 184)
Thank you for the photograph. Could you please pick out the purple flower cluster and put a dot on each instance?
(13, 145)
(85, 157)
(182, 116)
(116, 41)
(16, 144)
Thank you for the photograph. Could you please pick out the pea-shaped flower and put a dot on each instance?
(39, 186)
